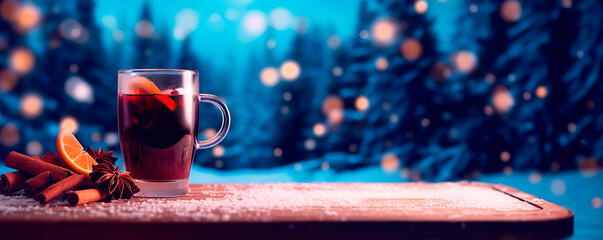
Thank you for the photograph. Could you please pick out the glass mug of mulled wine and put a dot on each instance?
(158, 117)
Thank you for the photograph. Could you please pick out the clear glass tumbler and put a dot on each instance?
(158, 117)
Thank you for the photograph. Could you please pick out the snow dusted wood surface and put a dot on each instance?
(299, 210)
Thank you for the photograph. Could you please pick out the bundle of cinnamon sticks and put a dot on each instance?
(43, 179)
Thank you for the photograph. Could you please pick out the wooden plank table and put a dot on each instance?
(296, 210)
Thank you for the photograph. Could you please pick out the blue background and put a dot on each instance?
(339, 91)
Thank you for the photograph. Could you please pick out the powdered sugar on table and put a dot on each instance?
(288, 202)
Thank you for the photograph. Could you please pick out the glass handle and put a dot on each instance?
(216, 139)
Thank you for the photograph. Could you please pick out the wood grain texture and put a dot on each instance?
(356, 211)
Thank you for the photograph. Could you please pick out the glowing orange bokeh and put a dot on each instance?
(319, 129)
(381, 64)
(390, 163)
(411, 49)
(22, 60)
(383, 31)
(332, 103)
(510, 10)
(464, 61)
(542, 92)
(421, 6)
(269, 76)
(502, 100)
(70, 123)
(218, 151)
(290, 70)
(8, 10)
(361, 103)
(31, 105)
(8, 80)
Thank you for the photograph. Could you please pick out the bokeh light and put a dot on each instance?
(8, 80)
(290, 70)
(588, 167)
(390, 163)
(287, 96)
(381, 64)
(8, 10)
(364, 34)
(488, 110)
(215, 18)
(361, 103)
(269, 76)
(421, 6)
(505, 156)
(278, 152)
(502, 99)
(10, 135)
(31, 105)
(255, 23)
(535, 177)
(566, 3)
(508, 170)
(144, 29)
(411, 49)
(34, 148)
(542, 92)
(440, 72)
(334, 42)
(280, 18)
(510, 10)
(96, 137)
(187, 20)
(209, 133)
(425, 122)
(337, 71)
(490, 78)
(464, 61)
(111, 139)
(335, 116)
(218, 151)
(558, 187)
(27, 17)
(74, 31)
(319, 129)
(571, 127)
(271, 43)
(383, 31)
(79, 90)
(332, 103)
(69, 123)
(325, 166)
(22, 60)
(596, 202)
(309, 144)
(473, 8)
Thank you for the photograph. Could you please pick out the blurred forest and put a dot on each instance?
(521, 89)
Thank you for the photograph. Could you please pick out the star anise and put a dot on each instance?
(100, 156)
(106, 177)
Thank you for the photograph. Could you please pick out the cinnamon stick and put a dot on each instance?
(37, 184)
(34, 167)
(50, 157)
(12, 182)
(86, 196)
(60, 188)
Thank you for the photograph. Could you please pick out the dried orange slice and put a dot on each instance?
(72, 154)
(143, 86)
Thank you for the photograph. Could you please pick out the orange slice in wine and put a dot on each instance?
(72, 155)
(143, 86)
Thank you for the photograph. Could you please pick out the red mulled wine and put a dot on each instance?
(158, 134)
